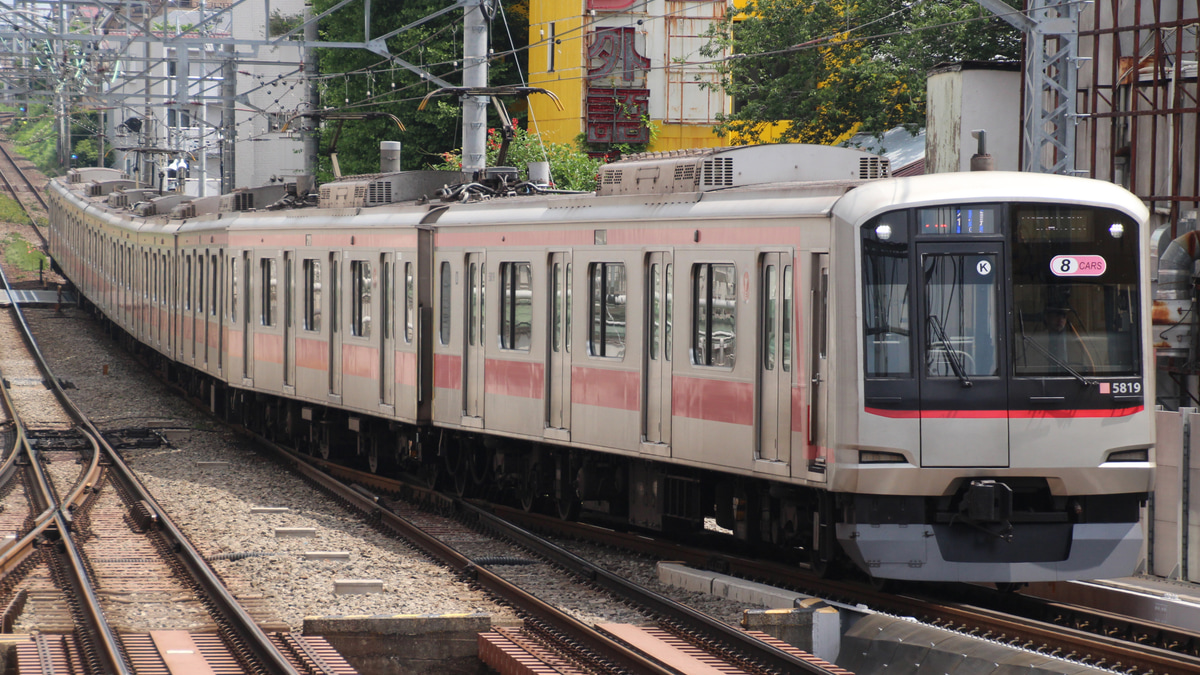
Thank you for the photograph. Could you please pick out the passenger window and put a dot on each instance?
(312, 294)
(444, 324)
(268, 269)
(409, 302)
(607, 319)
(233, 290)
(714, 315)
(360, 290)
(212, 274)
(516, 305)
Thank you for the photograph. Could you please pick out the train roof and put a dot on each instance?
(780, 180)
(873, 198)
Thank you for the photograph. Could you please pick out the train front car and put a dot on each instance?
(1004, 430)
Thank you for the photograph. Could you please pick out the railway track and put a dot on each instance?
(446, 528)
(95, 568)
(18, 184)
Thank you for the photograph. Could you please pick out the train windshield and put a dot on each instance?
(939, 317)
(1075, 292)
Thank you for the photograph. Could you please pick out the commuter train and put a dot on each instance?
(938, 377)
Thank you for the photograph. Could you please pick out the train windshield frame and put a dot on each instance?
(1000, 305)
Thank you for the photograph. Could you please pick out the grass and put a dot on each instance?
(11, 212)
(21, 254)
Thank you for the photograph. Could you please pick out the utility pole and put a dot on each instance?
(475, 74)
(228, 120)
(309, 125)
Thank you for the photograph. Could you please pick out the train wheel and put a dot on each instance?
(566, 497)
(374, 461)
(457, 466)
(823, 550)
(528, 491)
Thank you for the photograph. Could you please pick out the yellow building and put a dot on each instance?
(626, 71)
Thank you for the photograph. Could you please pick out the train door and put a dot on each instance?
(473, 349)
(818, 390)
(656, 360)
(247, 314)
(774, 357)
(289, 328)
(963, 355)
(335, 327)
(558, 375)
(387, 331)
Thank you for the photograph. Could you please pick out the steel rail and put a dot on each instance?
(268, 655)
(103, 636)
(582, 633)
(768, 655)
(28, 183)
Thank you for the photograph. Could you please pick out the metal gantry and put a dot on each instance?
(111, 55)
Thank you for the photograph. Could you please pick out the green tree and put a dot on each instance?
(356, 80)
(570, 168)
(832, 68)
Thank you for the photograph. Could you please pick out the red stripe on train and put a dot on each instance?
(713, 400)
(1000, 414)
(514, 378)
(604, 388)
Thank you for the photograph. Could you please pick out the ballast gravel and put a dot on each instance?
(209, 480)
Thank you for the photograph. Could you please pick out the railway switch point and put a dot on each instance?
(357, 586)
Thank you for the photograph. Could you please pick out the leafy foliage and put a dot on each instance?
(35, 137)
(356, 80)
(834, 68)
(570, 169)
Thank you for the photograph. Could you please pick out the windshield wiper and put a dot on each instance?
(1057, 361)
(952, 356)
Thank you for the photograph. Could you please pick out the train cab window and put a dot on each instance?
(444, 308)
(607, 305)
(268, 270)
(1075, 293)
(714, 315)
(516, 305)
(360, 291)
(410, 302)
(886, 301)
(312, 294)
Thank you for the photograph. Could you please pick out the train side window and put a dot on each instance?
(787, 320)
(714, 315)
(269, 270)
(606, 336)
(516, 305)
(212, 274)
(886, 298)
(187, 266)
(312, 294)
(233, 290)
(444, 322)
(410, 300)
(670, 304)
(360, 290)
(200, 283)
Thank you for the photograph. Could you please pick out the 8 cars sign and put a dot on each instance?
(1078, 265)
